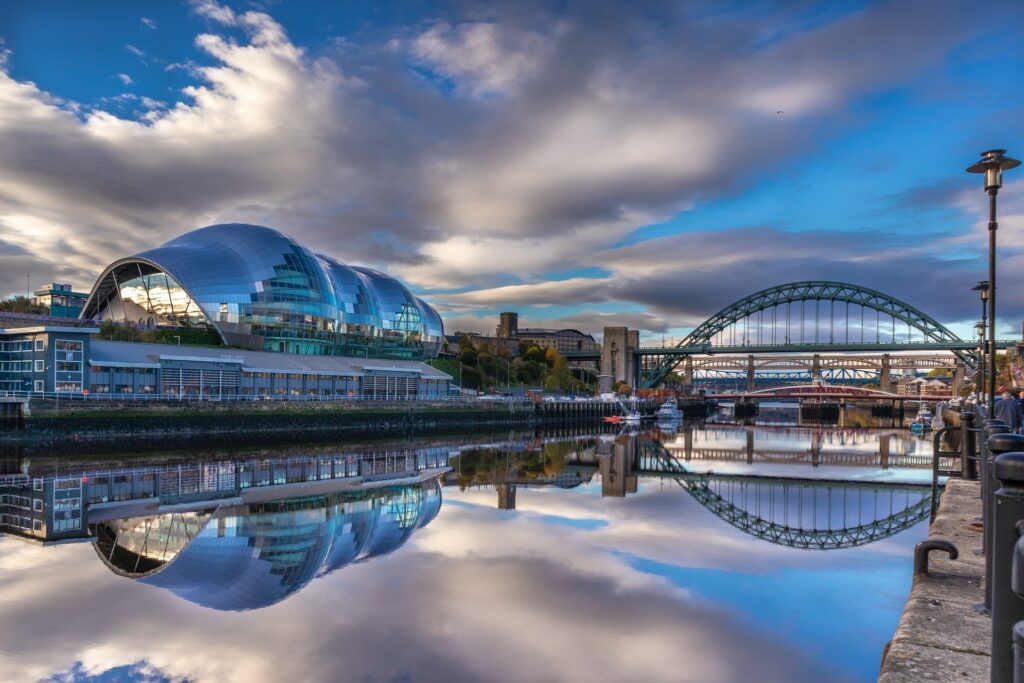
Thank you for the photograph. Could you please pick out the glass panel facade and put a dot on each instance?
(263, 290)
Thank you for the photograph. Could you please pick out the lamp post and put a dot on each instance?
(980, 327)
(982, 288)
(992, 164)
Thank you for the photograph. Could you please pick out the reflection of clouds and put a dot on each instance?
(480, 594)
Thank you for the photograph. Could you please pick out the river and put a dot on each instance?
(709, 552)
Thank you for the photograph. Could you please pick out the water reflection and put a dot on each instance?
(233, 535)
(243, 557)
(604, 539)
(793, 511)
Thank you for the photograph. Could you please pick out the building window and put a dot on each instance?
(37, 505)
(38, 386)
(39, 345)
(37, 525)
(39, 366)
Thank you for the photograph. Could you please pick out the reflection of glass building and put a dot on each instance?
(242, 557)
(262, 290)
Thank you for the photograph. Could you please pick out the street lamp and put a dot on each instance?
(982, 288)
(980, 327)
(992, 164)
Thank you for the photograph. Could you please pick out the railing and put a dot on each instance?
(996, 456)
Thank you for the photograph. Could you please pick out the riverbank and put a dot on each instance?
(941, 636)
(50, 425)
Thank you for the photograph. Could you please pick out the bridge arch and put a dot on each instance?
(782, 298)
(819, 290)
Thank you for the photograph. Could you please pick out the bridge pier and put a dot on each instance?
(750, 446)
(816, 369)
(750, 373)
(883, 451)
(885, 381)
(958, 379)
(688, 371)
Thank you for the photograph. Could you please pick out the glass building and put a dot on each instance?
(262, 290)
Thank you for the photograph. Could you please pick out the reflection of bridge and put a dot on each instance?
(798, 513)
(803, 322)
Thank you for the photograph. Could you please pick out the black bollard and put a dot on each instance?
(1007, 606)
(968, 452)
(1017, 581)
(1000, 441)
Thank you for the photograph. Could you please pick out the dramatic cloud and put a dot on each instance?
(501, 149)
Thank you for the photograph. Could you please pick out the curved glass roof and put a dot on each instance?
(264, 290)
(250, 556)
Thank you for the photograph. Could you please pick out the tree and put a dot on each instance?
(559, 377)
(534, 354)
(939, 372)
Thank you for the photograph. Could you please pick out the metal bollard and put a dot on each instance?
(1018, 652)
(998, 443)
(1017, 581)
(968, 452)
(1007, 607)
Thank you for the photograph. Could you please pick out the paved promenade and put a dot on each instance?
(941, 637)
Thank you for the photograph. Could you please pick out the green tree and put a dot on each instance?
(559, 377)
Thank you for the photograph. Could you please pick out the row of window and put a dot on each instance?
(21, 346)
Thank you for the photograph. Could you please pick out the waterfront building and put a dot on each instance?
(511, 340)
(50, 359)
(262, 290)
(60, 300)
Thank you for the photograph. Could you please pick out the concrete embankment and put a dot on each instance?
(48, 424)
(941, 635)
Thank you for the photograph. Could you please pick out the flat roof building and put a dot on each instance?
(54, 359)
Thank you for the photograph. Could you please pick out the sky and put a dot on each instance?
(585, 163)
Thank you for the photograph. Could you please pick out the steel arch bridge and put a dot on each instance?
(766, 322)
(777, 503)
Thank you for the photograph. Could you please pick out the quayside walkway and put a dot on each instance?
(941, 635)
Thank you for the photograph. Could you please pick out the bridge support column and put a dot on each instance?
(688, 443)
(750, 373)
(617, 359)
(750, 446)
(885, 381)
(816, 369)
(883, 451)
(688, 371)
(958, 379)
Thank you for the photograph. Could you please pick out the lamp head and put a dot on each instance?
(983, 288)
(992, 164)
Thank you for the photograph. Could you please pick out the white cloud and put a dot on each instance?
(148, 23)
(483, 58)
(125, 78)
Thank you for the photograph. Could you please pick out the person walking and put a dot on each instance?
(1008, 411)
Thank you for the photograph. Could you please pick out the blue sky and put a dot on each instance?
(585, 163)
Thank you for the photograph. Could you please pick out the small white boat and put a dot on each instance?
(669, 410)
(632, 418)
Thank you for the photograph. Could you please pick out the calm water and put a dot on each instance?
(715, 553)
